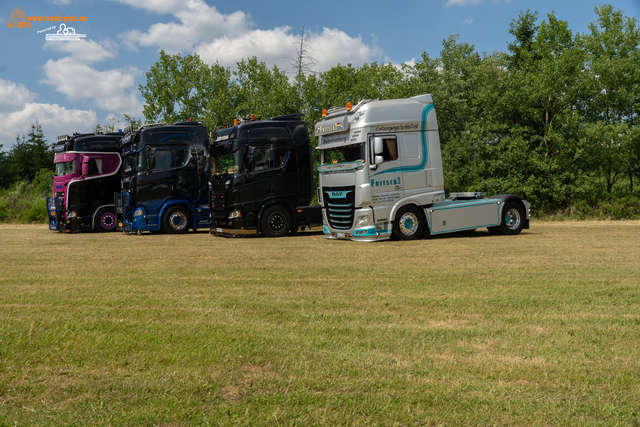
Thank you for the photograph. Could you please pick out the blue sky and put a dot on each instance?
(71, 85)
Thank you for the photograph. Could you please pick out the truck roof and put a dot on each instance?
(230, 132)
(387, 116)
(89, 142)
(200, 134)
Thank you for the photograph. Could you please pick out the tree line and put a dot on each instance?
(554, 118)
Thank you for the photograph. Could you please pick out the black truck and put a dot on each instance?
(261, 179)
(164, 178)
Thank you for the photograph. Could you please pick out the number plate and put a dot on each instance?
(340, 235)
(218, 230)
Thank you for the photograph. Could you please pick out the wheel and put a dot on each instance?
(177, 220)
(275, 221)
(408, 224)
(512, 220)
(105, 220)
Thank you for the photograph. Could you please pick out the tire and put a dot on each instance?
(409, 224)
(177, 220)
(275, 221)
(105, 220)
(512, 220)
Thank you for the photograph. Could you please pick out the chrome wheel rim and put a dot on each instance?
(409, 224)
(178, 220)
(512, 219)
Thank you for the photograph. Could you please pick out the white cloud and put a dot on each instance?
(229, 38)
(197, 22)
(86, 51)
(18, 113)
(112, 90)
(13, 96)
(411, 62)
(468, 21)
(278, 46)
(54, 119)
(450, 3)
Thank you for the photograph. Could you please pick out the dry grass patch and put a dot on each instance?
(107, 329)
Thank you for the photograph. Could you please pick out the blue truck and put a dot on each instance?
(164, 182)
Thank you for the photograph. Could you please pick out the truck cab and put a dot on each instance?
(87, 172)
(381, 176)
(164, 178)
(261, 180)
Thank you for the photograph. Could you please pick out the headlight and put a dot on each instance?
(362, 220)
(235, 214)
(72, 214)
(138, 212)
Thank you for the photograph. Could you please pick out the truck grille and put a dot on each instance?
(339, 203)
(218, 195)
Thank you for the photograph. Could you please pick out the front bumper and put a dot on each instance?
(360, 234)
(233, 232)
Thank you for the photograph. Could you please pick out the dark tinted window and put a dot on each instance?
(265, 156)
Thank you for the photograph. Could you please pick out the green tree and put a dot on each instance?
(180, 88)
(612, 100)
(521, 49)
(262, 91)
(4, 168)
(29, 154)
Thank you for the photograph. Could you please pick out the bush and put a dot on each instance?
(27, 202)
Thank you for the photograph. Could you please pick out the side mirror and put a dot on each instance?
(376, 161)
(378, 146)
(85, 166)
(249, 162)
(151, 159)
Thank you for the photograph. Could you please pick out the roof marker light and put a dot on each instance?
(349, 107)
(324, 113)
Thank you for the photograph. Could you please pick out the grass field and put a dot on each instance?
(156, 330)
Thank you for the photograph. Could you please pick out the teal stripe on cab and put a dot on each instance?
(425, 153)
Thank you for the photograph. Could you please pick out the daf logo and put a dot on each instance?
(339, 194)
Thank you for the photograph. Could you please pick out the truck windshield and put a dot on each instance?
(348, 153)
(226, 163)
(65, 168)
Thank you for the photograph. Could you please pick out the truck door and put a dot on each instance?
(387, 180)
(414, 162)
(268, 169)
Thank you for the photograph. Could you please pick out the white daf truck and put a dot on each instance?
(381, 175)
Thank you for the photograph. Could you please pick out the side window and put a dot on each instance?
(164, 158)
(95, 166)
(265, 156)
(390, 149)
(181, 155)
(167, 157)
